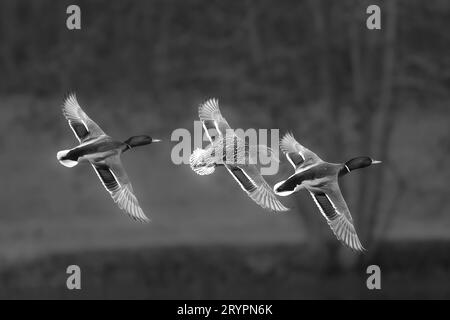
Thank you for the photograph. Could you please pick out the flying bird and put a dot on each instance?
(104, 155)
(241, 166)
(320, 178)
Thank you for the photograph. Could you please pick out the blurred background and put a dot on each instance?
(142, 67)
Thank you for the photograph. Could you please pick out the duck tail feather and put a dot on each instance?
(61, 156)
(201, 162)
(281, 191)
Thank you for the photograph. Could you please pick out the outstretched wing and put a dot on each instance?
(295, 152)
(212, 119)
(251, 181)
(332, 205)
(80, 123)
(117, 183)
(246, 175)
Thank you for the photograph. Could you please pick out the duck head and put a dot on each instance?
(139, 141)
(357, 163)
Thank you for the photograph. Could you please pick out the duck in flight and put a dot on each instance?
(103, 153)
(245, 173)
(320, 178)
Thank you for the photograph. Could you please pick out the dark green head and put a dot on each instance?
(357, 163)
(140, 141)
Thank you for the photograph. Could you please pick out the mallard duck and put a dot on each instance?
(320, 178)
(103, 153)
(246, 174)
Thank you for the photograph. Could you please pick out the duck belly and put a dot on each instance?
(96, 157)
(316, 183)
(86, 153)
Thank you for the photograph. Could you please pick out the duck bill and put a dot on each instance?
(376, 162)
(156, 140)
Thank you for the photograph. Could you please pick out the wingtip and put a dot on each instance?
(209, 101)
(208, 109)
(70, 95)
(70, 100)
(142, 218)
(212, 100)
(287, 140)
(146, 220)
(357, 248)
(283, 209)
(288, 135)
(278, 207)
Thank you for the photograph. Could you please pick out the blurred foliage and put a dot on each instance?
(263, 50)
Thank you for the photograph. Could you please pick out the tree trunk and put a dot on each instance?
(8, 18)
(323, 26)
(388, 109)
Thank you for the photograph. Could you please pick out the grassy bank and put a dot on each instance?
(409, 270)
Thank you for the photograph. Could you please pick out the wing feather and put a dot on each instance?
(82, 126)
(251, 181)
(115, 180)
(212, 118)
(295, 152)
(332, 205)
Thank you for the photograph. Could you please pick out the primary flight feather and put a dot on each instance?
(104, 155)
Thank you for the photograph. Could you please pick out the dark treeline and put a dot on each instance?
(242, 45)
